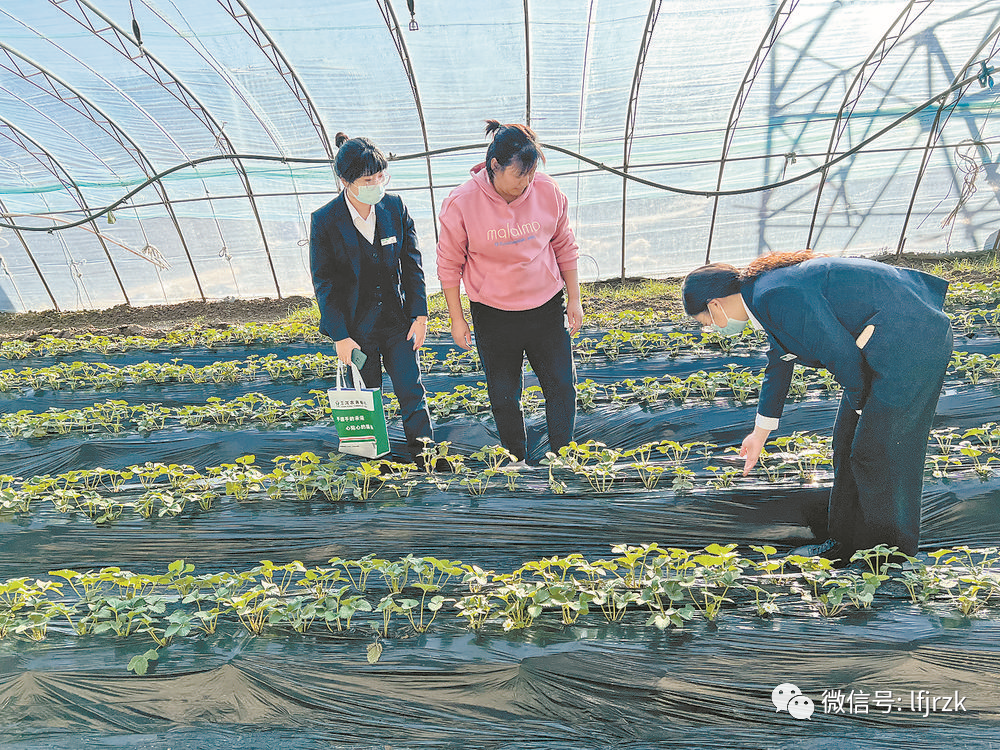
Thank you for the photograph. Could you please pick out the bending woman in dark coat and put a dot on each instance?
(880, 330)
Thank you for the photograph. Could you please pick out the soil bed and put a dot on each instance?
(610, 296)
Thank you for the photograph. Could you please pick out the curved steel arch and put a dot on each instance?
(770, 38)
(219, 69)
(31, 257)
(633, 105)
(105, 80)
(583, 98)
(392, 22)
(941, 117)
(527, 66)
(154, 122)
(170, 83)
(88, 109)
(52, 165)
(255, 29)
(906, 18)
(72, 187)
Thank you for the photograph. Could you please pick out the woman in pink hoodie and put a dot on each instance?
(506, 234)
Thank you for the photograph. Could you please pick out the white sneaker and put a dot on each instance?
(517, 465)
(815, 550)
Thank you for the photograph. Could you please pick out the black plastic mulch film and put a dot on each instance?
(896, 674)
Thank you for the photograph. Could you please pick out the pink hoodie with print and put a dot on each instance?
(510, 255)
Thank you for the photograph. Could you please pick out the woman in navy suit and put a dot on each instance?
(369, 281)
(880, 330)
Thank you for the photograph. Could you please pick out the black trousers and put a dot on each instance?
(878, 457)
(389, 347)
(503, 339)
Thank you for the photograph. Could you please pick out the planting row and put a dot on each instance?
(615, 343)
(197, 336)
(393, 597)
(101, 375)
(612, 345)
(157, 489)
(964, 293)
(739, 384)
(117, 416)
(983, 298)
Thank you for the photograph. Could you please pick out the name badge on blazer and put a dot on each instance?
(788, 357)
(388, 240)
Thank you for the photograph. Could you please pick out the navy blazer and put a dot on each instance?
(813, 313)
(335, 259)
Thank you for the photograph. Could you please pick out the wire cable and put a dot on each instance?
(477, 146)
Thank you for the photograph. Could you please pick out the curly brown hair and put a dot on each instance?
(775, 260)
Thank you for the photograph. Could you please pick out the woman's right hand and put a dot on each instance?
(344, 349)
(752, 447)
(461, 334)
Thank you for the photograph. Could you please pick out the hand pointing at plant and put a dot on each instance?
(752, 446)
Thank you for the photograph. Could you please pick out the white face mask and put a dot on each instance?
(370, 194)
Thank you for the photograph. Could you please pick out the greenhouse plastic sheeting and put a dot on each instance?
(592, 684)
(860, 127)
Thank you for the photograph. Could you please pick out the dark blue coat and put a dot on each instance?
(335, 258)
(813, 313)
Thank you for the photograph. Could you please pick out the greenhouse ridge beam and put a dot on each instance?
(774, 29)
(941, 117)
(123, 42)
(392, 22)
(59, 172)
(91, 111)
(600, 166)
(632, 111)
(909, 15)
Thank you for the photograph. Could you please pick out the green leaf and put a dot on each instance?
(64, 573)
(140, 663)
(374, 652)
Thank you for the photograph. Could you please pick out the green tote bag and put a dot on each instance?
(358, 416)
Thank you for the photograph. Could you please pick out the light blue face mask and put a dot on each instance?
(731, 328)
(370, 194)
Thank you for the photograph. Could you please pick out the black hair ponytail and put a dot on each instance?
(357, 158)
(512, 144)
